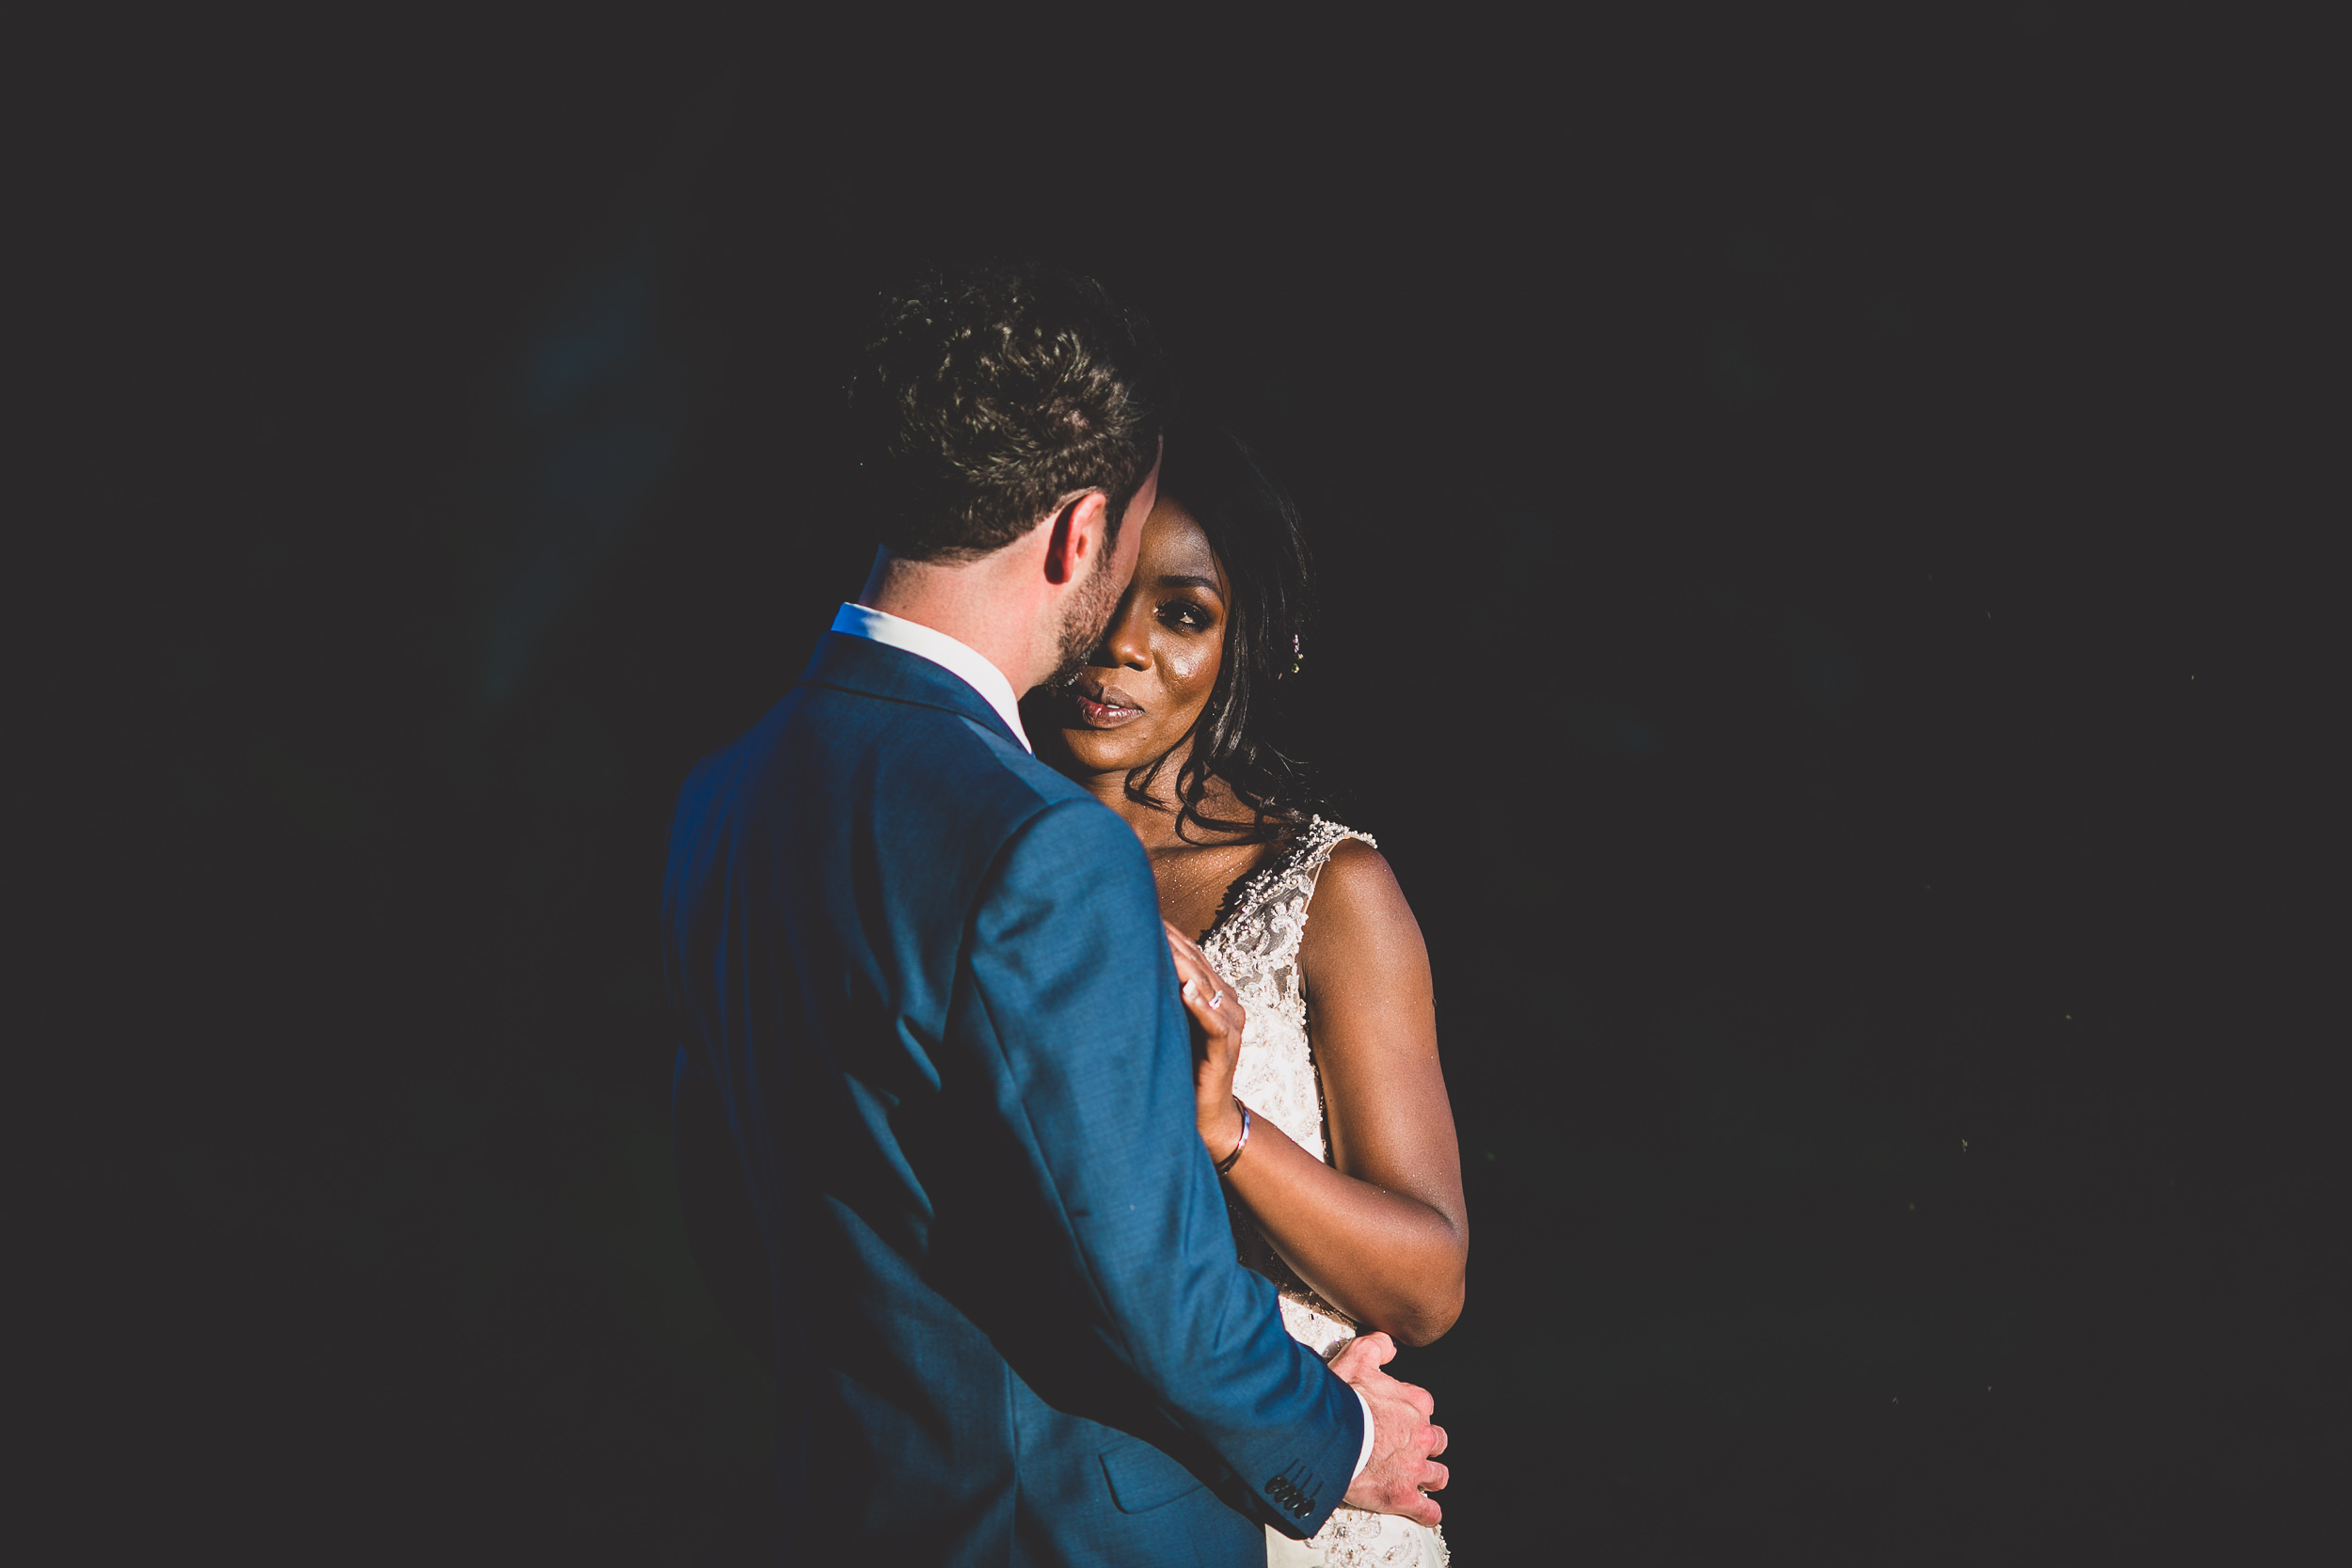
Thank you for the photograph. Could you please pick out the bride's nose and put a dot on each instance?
(1126, 645)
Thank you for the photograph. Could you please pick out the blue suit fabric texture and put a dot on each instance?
(929, 1015)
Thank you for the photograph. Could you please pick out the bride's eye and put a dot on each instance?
(1184, 614)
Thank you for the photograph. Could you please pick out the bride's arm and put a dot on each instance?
(1381, 1232)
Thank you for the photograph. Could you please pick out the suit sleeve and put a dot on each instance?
(722, 1227)
(1072, 978)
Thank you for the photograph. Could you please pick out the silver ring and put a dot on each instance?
(1217, 1001)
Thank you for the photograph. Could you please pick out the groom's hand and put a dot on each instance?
(1402, 1469)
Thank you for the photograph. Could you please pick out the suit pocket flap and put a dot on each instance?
(1143, 1477)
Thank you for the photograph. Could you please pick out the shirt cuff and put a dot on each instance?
(1363, 1455)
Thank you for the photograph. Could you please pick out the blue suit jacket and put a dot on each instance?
(933, 1054)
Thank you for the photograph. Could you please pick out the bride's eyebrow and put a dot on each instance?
(1181, 581)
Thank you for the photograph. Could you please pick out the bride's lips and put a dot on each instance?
(1103, 707)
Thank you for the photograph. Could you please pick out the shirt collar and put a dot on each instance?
(957, 658)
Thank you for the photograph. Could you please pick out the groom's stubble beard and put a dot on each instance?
(1087, 617)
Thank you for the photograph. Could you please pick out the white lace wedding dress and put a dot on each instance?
(1254, 945)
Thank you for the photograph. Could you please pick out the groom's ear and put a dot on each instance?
(1077, 540)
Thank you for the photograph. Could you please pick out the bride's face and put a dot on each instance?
(1146, 682)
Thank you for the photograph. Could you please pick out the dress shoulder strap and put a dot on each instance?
(1294, 871)
(1255, 943)
(1323, 836)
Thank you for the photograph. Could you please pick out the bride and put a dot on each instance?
(1330, 1124)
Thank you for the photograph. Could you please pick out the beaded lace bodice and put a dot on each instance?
(1254, 946)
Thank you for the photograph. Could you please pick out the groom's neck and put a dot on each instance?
(991, 606)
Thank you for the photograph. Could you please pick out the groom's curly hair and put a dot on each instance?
(988, 395)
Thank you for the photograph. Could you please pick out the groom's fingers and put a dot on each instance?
(1418, 1506)
(1436, 1445)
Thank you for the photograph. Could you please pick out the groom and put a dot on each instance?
(934, 1104)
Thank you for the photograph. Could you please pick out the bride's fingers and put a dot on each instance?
(1192, 977)
(1198, 982)
(1217, 1016)
(1184, 946)
(1187, 953)
(1185, 957)
(1196, 998)
(1191, 970)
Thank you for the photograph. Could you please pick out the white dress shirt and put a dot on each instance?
(957, 658)
(960, 660)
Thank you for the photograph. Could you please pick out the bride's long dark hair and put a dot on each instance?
(1253, 525)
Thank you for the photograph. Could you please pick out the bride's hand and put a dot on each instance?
(1218, 1018)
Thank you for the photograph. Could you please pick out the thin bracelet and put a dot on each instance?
(1226, 1164)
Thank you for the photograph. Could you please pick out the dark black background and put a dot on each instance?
(1825, 606)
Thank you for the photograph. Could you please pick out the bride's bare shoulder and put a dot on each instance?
(1359, 911)
(1355, 867)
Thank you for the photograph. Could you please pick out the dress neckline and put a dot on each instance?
(1248, 890)
(1317, 836)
